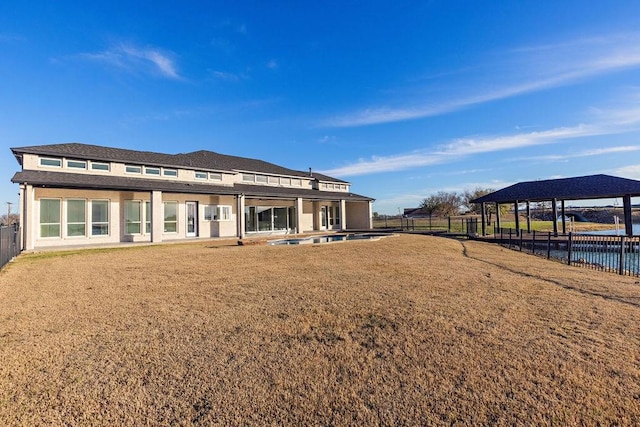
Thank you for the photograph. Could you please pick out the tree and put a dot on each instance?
(442, 203)
(476, 208)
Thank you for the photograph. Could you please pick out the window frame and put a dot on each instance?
(152, 171)
(219, 213)
(70, 223)
(79, 164)
(166, 222)
(170, 172)
(133, 169)
(201, 175)
(59, 223)
(96, 166)
(42, 160)
(128, 222)
(98, 202)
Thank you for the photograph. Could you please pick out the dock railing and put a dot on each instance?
(616, 254)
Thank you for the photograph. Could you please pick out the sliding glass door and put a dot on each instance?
(268, 218)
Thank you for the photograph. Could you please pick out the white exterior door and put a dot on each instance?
(192, 219)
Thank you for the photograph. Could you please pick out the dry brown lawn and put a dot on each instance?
(407, 330)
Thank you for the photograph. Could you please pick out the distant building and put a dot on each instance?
(415, 213)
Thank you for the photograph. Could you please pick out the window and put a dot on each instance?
(133, 169)
(274, 180)
(152, 171)
(49, 217)
(55, 163)
(76, 164)
(285, 181)
(201, 175)
(296, 182)
(99, 166)
(147, 217)
(217, 213)
(248, 177)
(169, 172)
(132, 217)
(215, 176)
(76, 218)
(261, 179)
(99, 217)
(170, 217)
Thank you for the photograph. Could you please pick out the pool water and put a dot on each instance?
(327, 239)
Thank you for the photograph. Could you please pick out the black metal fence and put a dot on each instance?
(9, 243)
(616, 254)
(466, 224)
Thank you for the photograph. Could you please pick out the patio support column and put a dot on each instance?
(564, 222)
(370, 203)
(554, 209)
(528, 217)
(498, 215)
(299, 214)
(240, 215)
(628, 223)
(483, 218)
(343, 214)
(28, 220)
(156, 216)
(517, 215)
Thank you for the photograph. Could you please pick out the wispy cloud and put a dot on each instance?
(562, 64)
(272, 64)
(631, 172)
(135, 59)
(229, 77)
(586, 153)
(462, 147)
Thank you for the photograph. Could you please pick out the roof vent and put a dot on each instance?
(310, 172)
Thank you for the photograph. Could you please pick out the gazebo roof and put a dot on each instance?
(578, 188)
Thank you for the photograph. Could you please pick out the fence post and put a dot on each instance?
(533, 243)
(621, 261)
(569, 248)
(509, 238)
(549, 245)
(448, 220)
(521, 240)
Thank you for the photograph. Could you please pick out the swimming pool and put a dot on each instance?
(332, 238)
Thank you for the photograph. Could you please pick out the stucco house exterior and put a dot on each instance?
(77, 194)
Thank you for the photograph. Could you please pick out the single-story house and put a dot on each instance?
(79, 194)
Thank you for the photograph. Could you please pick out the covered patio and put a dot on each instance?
(560, 190)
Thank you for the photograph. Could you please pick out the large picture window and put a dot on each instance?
(49, 217)
(132, 217)
(170, 217)
(76, 218)
(99, 217)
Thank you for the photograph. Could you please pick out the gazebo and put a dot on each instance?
(554, 190)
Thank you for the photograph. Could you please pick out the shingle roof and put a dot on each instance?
(203, 159)
(76, 180)
(578, 188)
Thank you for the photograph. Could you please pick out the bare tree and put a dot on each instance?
(442, 203)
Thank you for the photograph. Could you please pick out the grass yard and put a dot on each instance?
(406, 330)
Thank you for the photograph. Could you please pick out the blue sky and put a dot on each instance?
(401, 99)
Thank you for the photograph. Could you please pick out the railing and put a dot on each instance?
(9, 243)
(616, 254)
(454, 224)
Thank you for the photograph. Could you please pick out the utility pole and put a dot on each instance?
(8, 211)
